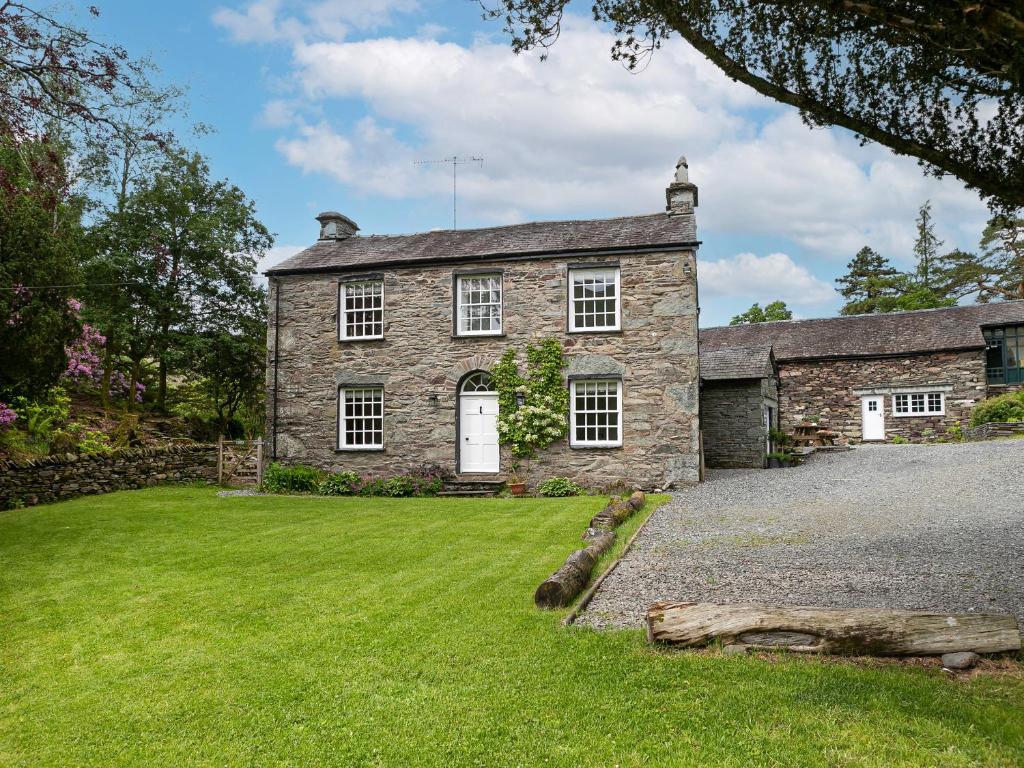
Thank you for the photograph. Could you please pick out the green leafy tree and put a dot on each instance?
(40, 247)
(185, 248)
(777, 310)
(869, 285)
(941, 81)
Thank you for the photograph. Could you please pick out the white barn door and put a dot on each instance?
(872, 415)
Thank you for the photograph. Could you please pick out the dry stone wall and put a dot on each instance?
(732, 417)
(420, 363)
(55, 478)
(826, 388)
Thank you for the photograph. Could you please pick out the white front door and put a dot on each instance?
(478, 433)
(872, 417)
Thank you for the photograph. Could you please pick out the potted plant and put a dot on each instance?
(779, 459)
(516, 483)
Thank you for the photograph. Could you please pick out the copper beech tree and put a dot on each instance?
(940, 81)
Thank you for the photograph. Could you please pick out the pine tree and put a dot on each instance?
(926, 247)
(870, 284)
(996, 271)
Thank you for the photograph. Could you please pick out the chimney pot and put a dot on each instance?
(336, 226)
(681, 195)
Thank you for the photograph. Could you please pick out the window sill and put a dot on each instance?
(358, 450)
(917, 415)
(596, 330)
(596, 447)
(357, 339)
(479, 335)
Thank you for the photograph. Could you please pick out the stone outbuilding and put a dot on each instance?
(871, 377)
(739, 405)
(380, 348)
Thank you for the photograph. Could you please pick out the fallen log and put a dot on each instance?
(636, 500)
(612, 516)
(598, 541)
(851, 632)
(558, 590)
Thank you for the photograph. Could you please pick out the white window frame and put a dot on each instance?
(575, 272)
(573, 441)
(343, 312)
(343, 444)
(925, 396)
(459, 330)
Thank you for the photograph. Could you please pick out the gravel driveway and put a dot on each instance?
(901, 526)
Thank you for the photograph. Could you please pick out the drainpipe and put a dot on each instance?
(276, 283)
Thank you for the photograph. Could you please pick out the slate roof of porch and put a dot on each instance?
(736, 363)
(492, 243)
(881, 335)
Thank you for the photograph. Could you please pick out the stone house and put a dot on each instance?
(380, 347)
(739, 405)
(871, 377)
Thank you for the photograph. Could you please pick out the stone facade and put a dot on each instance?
(420, 364)
(832, 390)
(733, 421)
(56, 478)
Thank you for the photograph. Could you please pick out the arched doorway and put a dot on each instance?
(478, 424)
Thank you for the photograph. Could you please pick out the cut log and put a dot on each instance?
(598, 541)
(637, 500)
(612, 516)
(558, 590)
(851, 632)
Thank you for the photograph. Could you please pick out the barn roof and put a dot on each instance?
(880, 335)
(493, 243)
(736, 363)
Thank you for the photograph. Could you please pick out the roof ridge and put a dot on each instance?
(870, 314)
(507, 226)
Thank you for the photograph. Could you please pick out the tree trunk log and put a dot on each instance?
(567, 582)
(853, 632)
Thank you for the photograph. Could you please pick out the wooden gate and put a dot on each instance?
(239, 462)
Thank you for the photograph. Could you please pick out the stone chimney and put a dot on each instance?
(681, 194)
(336, 226)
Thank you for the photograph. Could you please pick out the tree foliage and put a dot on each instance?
(939, 81)
(996, 270)
(776, 310)
(870, 284)
(38, 260)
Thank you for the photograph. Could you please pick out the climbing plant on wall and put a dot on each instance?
(543, 417)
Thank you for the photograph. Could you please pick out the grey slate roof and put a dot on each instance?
(736, 363)
(493, 243)
(892, 333)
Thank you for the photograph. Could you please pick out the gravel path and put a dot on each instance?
(901, 526)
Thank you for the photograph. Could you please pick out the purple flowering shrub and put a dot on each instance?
(7, 415)
(85, 362)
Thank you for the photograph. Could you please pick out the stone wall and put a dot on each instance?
(55, 478)
(655, 353)
(994, 429)
(826, 388)
(732, 417)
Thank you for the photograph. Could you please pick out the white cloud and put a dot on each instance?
(763, 279)
(263, 21)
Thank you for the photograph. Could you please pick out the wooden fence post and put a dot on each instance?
(220, 460)
(259, 463)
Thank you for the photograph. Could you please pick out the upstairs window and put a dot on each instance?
(1004, 355)
(596, 413)
(594, 299)
(361, 419)
(361, 310)
(918, 404)
(478, 311)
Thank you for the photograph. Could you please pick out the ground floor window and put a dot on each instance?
(596, 413)
(918, 404)
(361, 418)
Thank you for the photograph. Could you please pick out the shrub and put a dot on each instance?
(1002, 408)
(277, 478)
(560, 486)
(339, 484)
(899, 440)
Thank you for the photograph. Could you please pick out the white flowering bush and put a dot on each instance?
(543, 418)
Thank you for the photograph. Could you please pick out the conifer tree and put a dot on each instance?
(870, 284)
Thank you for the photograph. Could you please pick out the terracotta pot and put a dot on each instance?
(517, 489)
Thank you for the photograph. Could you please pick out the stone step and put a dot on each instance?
(469, 493)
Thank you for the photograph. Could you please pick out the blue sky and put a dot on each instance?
(327, 104)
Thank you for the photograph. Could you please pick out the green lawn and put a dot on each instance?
(170, 627)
